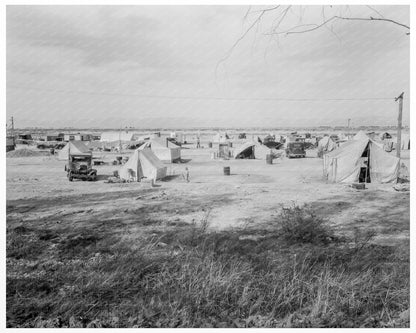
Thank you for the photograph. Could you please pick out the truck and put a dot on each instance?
(295, 149)
(79, 167)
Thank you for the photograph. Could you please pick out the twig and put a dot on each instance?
(256, 21)
(336, 17)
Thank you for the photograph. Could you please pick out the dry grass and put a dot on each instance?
(187, 276)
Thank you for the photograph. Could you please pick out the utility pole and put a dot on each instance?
(399, 124)
(119, 139)
(13, 131)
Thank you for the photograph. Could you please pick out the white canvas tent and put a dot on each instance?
(252, 149)
(142, 164)
(360, 136)
(345, 163)
(342, 137)
(165, 150)
(74, 147)
(326, 144)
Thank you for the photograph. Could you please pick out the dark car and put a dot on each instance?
(79, 167)
(295, 149)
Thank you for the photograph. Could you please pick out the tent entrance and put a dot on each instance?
(223, 151)
(364, 176)
(247, 153)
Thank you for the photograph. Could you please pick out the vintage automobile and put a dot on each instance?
(295, 149)
(79, 167)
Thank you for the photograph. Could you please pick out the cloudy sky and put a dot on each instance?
(171, 66)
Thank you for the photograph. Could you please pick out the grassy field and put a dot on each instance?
(293, 271)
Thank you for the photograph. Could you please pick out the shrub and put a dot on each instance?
(301, 224)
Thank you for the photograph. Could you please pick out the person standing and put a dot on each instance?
(198, 142)
(187, 175)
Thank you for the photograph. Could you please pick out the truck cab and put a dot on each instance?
(295, 149)
(79, 167)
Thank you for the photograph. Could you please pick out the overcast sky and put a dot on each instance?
(149, 66)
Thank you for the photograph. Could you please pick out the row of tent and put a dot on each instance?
(142, 163)
(358, 160)
(326, 144)
(165, 150)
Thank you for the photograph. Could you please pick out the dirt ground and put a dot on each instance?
(38, 193)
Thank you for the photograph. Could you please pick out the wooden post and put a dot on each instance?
(14, 139)
(399, 125)
(119, 140)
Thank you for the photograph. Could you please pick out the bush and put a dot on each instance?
(301, 224)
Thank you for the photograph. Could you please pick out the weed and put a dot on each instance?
(301, 224)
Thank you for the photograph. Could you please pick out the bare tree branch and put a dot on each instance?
(375, 11)
(247, 13)
(284, 13)
(331, 30)
(302, 28)
(336, 17)
(255, 22)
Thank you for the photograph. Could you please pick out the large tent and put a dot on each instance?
(165, 150)
(252, 149)
(361, 161)
(142, 164)
(75, 148)
(326, 144)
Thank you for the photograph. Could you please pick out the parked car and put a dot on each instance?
(79, 167)
(295, 149)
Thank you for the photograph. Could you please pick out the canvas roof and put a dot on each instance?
(75, 148)
(260, 151)
(360, 136)
(142, 163)
(326, 144)
(165, 150)
(344, 164)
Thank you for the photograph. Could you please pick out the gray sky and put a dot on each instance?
(112, 66)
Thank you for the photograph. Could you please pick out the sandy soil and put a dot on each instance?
(38, 192)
